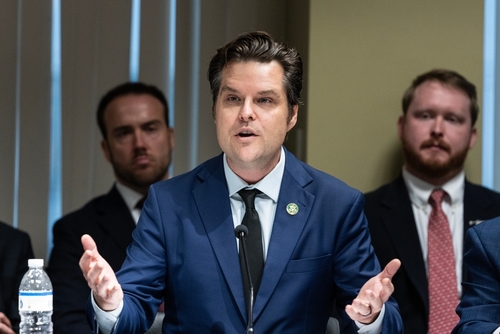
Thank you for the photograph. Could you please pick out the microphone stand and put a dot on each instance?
(241, 231)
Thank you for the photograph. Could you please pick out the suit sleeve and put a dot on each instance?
(480, 304)
(357, 263)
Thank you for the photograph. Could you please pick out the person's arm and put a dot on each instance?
(5, 325)
(480, 304)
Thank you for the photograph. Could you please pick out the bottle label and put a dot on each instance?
(35, 301)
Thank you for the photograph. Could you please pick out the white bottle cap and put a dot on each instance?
(35, 263)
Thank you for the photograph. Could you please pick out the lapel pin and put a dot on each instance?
(292, 209)
(475, 222)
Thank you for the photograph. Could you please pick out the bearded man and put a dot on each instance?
(436, 131)
(138, 142)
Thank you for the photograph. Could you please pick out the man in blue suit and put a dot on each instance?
(480, 305)
(315, 240)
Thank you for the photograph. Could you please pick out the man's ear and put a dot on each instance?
(171, 138)
(473, 138)
(401, 121)
(293, 119)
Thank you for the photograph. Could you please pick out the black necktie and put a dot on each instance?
(140, 203)
(254, 243)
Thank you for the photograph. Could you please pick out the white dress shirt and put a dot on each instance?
(265, 203)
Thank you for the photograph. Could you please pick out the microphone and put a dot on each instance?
(241, 232)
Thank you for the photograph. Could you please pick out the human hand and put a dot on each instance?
(100, 276)
(5, 325)
(366, 307)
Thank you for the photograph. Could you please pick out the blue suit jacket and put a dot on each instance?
(185, 252)
(479, 308)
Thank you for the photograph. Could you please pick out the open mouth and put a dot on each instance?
(246, 134)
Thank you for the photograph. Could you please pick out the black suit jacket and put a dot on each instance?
(108, 221)
(15, 251)
(394, 235)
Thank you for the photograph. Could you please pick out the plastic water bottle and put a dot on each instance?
(35, 300)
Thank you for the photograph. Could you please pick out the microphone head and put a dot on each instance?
(240, 230)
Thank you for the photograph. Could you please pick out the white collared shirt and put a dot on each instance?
(453, 207)
(265, 203)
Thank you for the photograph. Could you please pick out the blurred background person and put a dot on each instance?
(421, 216)
(138, 143)
(15, 251)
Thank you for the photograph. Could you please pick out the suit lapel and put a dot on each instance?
(286, 228)
(212, 200)
(114, 216)
(400, 225)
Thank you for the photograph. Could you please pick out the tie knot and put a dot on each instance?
(248, 197)
(436, 197)
(140, 203)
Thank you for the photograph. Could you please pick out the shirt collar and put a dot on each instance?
(130, 196)
(420, 191)
(269, 185)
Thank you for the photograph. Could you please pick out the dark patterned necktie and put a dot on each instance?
(443, 293)
(253, 243)
(140, 203)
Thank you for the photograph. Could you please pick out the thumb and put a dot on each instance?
(391, 269)
(89, 244)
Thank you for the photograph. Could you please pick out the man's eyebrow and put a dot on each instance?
(152, 122)
(269, 92)
(121, 128)
(262, 93)
(128, 126)
(227, 88)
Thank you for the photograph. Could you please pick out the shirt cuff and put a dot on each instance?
(106, 321)
(373, 328)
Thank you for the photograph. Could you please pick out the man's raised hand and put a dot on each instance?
(100, 276)
(372, 296)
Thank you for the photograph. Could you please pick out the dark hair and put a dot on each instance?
(258, 46)
(128, 88)
(446, 77)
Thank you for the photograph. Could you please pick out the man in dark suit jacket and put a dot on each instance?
(480, 304)
(437, 130)
(315, 242)
(133, 119)
(15, 251)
